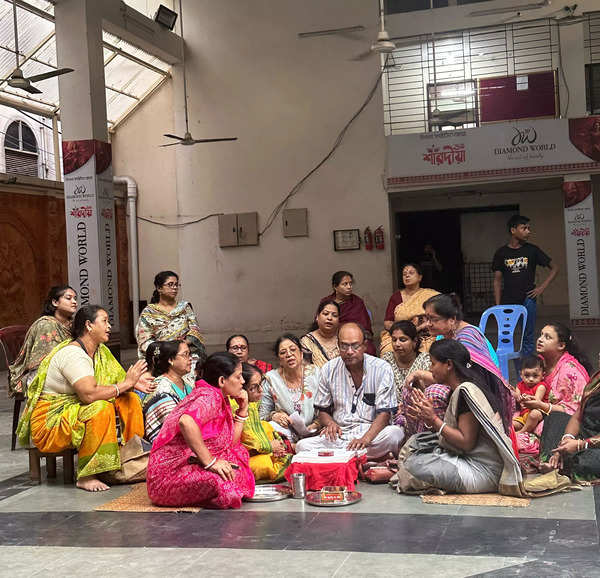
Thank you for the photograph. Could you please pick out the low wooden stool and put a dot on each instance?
(35, 470)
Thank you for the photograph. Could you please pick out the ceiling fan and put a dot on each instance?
(383, 44)
(187, 139)
(16, 79)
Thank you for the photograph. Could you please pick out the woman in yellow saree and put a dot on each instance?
(406, 304)
(269, 456)
(75, 396)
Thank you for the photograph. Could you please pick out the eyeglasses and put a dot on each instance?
(185, 354)
(238, 347)
(172, 285)
(433, 318)
(350, 346)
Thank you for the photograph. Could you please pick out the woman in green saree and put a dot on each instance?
(74, 399)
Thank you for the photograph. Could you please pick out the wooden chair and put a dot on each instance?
(11, 341)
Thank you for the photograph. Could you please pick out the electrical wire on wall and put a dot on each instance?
(282, 204)
(177, 225)
(336, 144)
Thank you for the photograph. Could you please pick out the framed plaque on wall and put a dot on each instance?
(346, 240)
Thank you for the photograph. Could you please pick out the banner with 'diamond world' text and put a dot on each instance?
(582, 268)
(90, 214)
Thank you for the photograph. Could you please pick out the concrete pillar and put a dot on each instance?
(89, 200)
(572, 82)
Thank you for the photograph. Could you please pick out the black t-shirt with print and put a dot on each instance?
(518, 270)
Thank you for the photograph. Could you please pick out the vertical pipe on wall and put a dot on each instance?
(132, 193)
(57, 169)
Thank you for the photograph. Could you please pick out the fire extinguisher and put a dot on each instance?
(368, 236)
(379, 240)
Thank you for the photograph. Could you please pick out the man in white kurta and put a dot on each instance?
(356, 398)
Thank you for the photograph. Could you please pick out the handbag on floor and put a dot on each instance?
(134, 461)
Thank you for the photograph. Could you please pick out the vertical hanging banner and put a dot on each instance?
(582, 268)
(90, 222)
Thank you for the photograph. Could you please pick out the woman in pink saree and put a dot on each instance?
(566, 373)
(197, 458)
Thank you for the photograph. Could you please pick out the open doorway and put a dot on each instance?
(463, 242)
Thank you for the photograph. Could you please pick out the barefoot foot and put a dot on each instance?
(92, 484)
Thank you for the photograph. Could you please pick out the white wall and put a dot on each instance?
(136, 153)
(286, 99)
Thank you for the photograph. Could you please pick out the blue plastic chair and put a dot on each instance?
(507, 317)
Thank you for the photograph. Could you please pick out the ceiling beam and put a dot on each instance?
(132, 26)
(8, 99)
(133, 58)
(139, 30)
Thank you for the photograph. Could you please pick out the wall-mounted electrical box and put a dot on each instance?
(295, 223)
(238, 229)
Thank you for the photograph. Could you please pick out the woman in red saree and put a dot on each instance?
(203, 430)
(352, 307)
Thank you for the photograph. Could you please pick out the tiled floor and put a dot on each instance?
(54, 529)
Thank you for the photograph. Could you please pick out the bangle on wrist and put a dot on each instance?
(568, 436)
(210, 464)
(116, 389)
(239, 418)
(439, 432)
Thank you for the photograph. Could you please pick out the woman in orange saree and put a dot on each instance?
(73, 400)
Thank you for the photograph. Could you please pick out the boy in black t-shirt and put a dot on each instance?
(515, 264)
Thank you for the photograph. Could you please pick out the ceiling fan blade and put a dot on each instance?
(173, 136)
(171, 144)
(214, 139)
(28, 88)
(362, 56)
(46, 75)
(330, 31)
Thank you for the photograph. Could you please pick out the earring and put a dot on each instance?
(89, 328)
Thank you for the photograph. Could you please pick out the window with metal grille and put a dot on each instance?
(592, 88)
(452, 105)
(20, 150)
(398, 6)
(422, 63)
(592, 67)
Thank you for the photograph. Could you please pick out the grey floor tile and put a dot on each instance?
(385, 565)
(114, 562)
(57, 497)
(381, 499)
(233, 563)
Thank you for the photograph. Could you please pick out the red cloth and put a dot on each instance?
(354, 310)
(319, 475)
(394, 301)
(263, 365)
